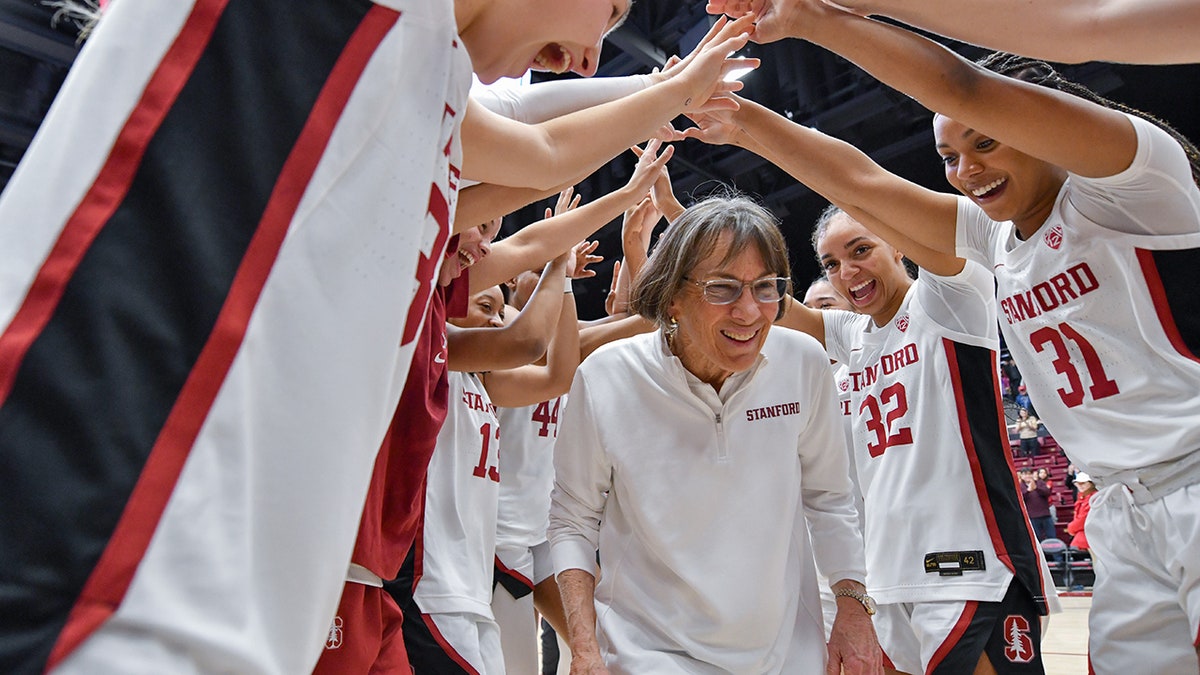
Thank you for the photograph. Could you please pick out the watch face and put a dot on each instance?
(869, 603)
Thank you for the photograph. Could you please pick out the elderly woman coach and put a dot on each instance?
(692, 459)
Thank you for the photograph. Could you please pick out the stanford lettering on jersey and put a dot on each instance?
(1056, 291)
(770, 411)
(889, 363)
(476, 402)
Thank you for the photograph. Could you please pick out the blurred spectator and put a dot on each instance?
(1023, 399)
(1027, 431)
(1037, 504)
(1069, 481)
(1082, 506)
(1009, 369)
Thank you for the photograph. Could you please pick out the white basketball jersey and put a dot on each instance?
(458, 543)
(528, 469)
(942, 514)
(1101, 311)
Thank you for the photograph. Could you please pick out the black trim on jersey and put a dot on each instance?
(514, 582)
(1179, 272)
(976, 368)
(95, 387)
(425, 653)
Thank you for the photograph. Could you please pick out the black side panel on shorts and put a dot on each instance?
(95, 387)
(976, 368)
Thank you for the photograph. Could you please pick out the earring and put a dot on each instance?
(670, 331)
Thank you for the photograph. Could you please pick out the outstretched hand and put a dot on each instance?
(715, 128)
(582, 255)
(777, 19)
(705, 69)
(662, 193)
(565, 202)
(649, 167)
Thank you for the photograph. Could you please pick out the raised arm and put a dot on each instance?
(1064, 31)
(548, 238)
(917, 221)
(521, 341)
(1065, 130)
(532, 384)
(798, 317)
(505, 152)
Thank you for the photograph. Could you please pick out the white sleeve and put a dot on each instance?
(1155, 195)
(964, 304)
(839, 326)
(547, 100)
(582, 477)
(975, 234)
(825, 486)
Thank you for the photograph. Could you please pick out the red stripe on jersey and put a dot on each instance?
(447, 647)
(110, 579)
(107, 191)
(964, 427)
(956, 633)
(513, 573)
(1158, 295)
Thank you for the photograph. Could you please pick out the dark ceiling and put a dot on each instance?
(807, 83)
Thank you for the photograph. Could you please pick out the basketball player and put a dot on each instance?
(202, 283)
(1089, 217)
(950, 556)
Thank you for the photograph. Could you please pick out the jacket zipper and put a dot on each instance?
(722, 452)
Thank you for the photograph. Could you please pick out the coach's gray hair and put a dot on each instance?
(694, 237)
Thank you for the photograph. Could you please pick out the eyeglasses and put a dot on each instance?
(727, 291)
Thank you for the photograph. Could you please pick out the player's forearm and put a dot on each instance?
(562, 358)
(583, 141)
(1063, 31)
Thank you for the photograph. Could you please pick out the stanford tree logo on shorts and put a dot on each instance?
(1018, 646)
(334, 639)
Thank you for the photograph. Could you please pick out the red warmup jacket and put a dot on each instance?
(1075, 527)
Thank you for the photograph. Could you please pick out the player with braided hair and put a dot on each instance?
(1089, 218)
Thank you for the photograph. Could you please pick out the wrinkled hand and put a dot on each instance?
(704, 70)
(853, 646)
(587, 664)
(582, 255)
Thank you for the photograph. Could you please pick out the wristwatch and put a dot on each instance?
(867, 601)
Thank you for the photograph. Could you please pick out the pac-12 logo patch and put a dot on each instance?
(1018, 646)
(1054, 237)
(334, 639)
(902, 323)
